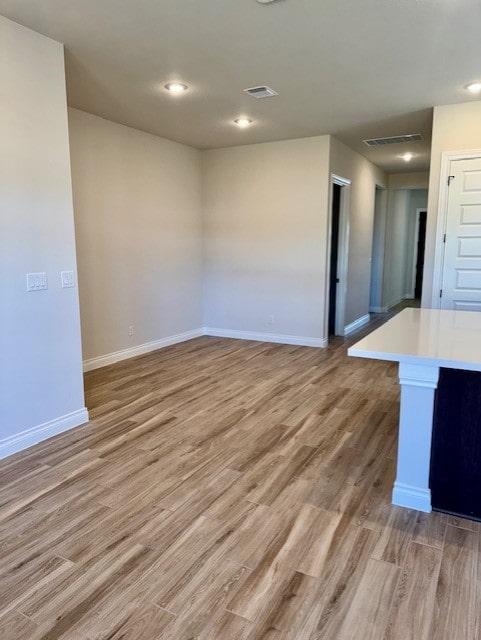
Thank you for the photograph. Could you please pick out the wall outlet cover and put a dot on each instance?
(37, 281)
(67, 279)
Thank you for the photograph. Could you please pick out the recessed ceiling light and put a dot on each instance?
(176, 87)
(474, 87)
(407, 157)
(243, 122)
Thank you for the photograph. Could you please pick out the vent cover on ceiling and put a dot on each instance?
(411, 137)
(261, 92)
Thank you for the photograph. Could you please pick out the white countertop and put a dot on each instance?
(438, 337)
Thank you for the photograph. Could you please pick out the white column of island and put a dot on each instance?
(422, 341)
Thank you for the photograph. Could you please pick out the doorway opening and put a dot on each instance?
(333, 275)
(419, 248)
(337, 256)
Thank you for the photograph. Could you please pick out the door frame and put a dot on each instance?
(447, 157)
(415, 252)
(342, 258)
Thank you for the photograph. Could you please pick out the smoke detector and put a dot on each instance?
(265, 1)
(261, 92)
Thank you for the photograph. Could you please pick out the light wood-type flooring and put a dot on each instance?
(226, 490)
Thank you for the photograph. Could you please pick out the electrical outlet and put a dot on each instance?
(131, 329)
(270, 320)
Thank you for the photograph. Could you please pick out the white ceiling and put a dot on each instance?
(352, 68)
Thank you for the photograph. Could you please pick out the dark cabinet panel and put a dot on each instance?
(455, 477)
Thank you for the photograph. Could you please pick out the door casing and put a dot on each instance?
(342, 260)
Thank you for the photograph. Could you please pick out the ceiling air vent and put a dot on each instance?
(378, 142)
(261, 92)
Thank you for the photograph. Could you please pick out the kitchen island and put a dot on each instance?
(439, 447)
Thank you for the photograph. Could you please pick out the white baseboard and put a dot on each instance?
(20, 441)
(393, 303)
(357, 324)
(411, 497)
(266, 337)
(124, 354)
(378, 309)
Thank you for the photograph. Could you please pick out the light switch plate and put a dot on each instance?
(67, 278)
(37, 281)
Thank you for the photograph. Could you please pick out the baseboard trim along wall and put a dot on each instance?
(378, 309)
(411, 497)
(20, 441)
(397, 301)
(266, 337)
(125, 354)
(357, 324)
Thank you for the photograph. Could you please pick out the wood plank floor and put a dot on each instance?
(229, 490)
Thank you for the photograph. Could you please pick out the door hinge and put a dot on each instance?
(449, 179)
(440, 293)
(444, 238)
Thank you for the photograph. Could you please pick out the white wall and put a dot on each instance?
(396, 246)
(415, 180)
(456, 127)
(265, 224)
(376, 300)
(137, 200)
(41, 386)
(364, 176)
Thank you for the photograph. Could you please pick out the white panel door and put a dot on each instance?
(461, 285)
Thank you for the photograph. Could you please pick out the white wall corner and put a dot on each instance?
(125, 354)
(404, 495)
(357, 324)
(266, 337)
(24, 439)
